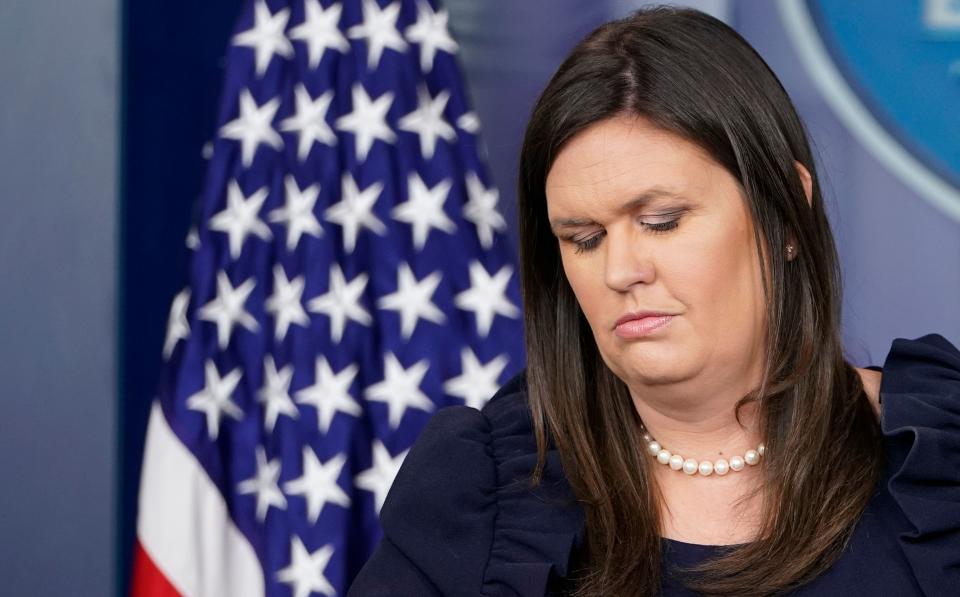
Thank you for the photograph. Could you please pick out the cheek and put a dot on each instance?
(586, 280)
(718, 278)
(599, 305)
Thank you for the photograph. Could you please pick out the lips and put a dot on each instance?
(635, 325)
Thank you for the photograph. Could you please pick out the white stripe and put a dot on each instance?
(857, 117)
(183, 523)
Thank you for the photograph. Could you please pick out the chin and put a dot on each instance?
(650, 365)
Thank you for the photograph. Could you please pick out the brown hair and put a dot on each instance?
(694, 76)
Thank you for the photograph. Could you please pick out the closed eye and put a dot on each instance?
(661, 227)
(588, 244)
(591, 242)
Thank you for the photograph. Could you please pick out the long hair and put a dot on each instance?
(695, 77)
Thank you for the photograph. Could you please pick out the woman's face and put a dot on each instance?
(648, 222)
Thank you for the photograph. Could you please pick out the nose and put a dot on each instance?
(628, 261)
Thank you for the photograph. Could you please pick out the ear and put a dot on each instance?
(806, 180)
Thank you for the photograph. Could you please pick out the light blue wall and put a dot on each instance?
(900, 255)
(58, 209)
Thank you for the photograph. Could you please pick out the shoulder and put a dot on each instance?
(920, 401)
(924, 371)
(458, 435)
(458, 445)
(920, 420)
(460, 511)
(919, 392)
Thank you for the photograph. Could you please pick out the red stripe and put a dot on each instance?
(147, 579)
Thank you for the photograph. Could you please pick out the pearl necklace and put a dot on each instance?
(704, 467)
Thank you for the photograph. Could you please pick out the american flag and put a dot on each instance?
(349, 277)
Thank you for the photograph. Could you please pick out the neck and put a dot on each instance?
(697, 419)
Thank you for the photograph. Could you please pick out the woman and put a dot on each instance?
(687, 422)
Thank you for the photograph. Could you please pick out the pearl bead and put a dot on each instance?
(691, 466)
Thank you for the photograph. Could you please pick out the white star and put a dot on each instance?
(380, 28)
(424, 209)
(355, 210)
(378, 478)
(330, 393)
(430, 31)
(239, 218)
(469, 122)
(297, 212)
(252, 127)
(214, 399)
(476, 383)
(310, 121)
(487, 296)
(266, 36)
(275, 393)
(368, 121)
(481, 209)
(227, 309)
(319, 30)
(193, 239)
(177, 326)
(318, 483)
(342, 302)
(412, 300)
(264, 484)
(285, 304)
(400, 388)
(427, 121)
(305, 572)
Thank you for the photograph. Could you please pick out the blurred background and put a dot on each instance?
(107, 106)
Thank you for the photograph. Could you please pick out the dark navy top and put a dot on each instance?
(459, 520)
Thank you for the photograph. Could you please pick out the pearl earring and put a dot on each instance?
(790, 251)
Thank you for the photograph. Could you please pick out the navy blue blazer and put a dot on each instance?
(459, 520)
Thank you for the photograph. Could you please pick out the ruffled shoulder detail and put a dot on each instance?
(536, 529)
(459, 509)
(920, 419)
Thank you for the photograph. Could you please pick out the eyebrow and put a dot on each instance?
(637, 202)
